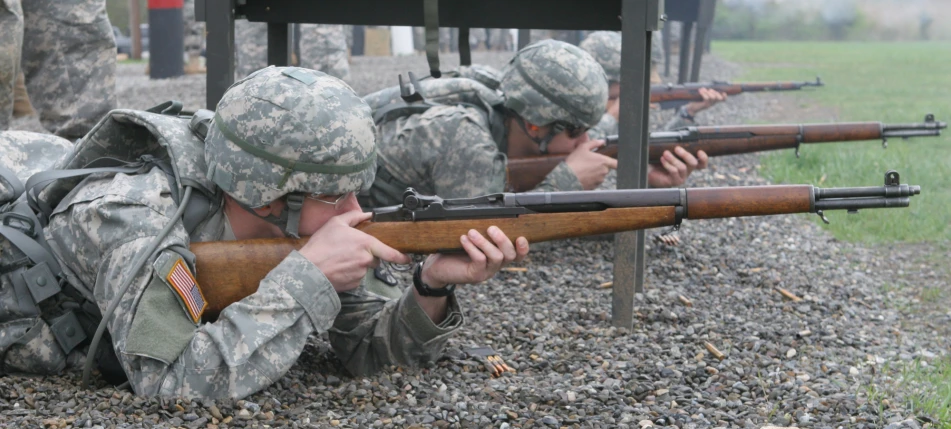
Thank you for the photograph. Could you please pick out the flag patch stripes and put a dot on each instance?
(187, 288)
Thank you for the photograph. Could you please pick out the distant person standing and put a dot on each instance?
(11, 42)
(67, 55)
(924, 25)
(194, 38)
(322, 47)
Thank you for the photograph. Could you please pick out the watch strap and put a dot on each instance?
(424, 289)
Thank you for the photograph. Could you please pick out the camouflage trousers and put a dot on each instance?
(11, 42)
(194, 30)
(322, 47)
(68, 56)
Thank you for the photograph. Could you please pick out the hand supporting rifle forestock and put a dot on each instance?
(231, 270)
(524, 174)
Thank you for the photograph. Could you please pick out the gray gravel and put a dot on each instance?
(826, 361)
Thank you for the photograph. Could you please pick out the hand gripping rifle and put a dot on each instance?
(231, 270)
(524, 174)
(673, 96)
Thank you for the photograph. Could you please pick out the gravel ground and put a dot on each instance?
(825, 361)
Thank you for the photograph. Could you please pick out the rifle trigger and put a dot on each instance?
(884, 142)
(823, 216)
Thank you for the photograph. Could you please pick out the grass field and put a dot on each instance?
(887, 82)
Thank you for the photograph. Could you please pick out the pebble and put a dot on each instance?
(785, 362)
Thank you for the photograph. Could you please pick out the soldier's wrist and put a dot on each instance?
(426, 286)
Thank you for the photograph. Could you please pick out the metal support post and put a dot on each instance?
(682, 71)
(465, 50)
(704, 21)
(220, 50)
(665, 33)
(524, 38)
(639, 19)
(278, 44)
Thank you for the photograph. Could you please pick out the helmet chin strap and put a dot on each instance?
(289, 220)
(541, 141)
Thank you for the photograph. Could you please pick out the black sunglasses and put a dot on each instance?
(572, 130)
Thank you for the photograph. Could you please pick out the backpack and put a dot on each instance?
(44, 316)
(400, 101)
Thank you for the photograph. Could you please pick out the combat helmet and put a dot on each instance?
(605, 47)
(289, 131)
(552, 82)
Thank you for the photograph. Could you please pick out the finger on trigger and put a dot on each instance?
(353, 218)
(381, 251)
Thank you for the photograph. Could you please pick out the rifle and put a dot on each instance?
(672, 96)
(231, 270)
(524, 174)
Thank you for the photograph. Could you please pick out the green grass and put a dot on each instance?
(931, 391)
(887, 82)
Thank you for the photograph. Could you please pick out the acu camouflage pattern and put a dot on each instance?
(319, 120)
(605, 47)
(11, 42)
(552, 81)
(322, 47)
(27, 344)
(108, 220)
(69, 61)
(453, 151)
(26, 153)
(194, 31)
(445, 90)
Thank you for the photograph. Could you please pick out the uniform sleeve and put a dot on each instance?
(162, 350)
(562, 178)
(372, 331)
(608, 126)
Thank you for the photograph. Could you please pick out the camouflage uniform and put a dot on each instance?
(69, 61)
(27, 342)
(194, 30)
(459, 150)
(605, 47)
(322, 47)
(11, 41)
(108, 221)
(250, 47)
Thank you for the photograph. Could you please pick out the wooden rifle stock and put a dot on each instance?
(231, 270)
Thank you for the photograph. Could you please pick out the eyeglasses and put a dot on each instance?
(572, 130)
(335, 200)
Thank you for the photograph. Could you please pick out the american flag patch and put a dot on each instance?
(185, 285)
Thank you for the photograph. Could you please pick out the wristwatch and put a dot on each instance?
(684, 113)
(424, 289)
